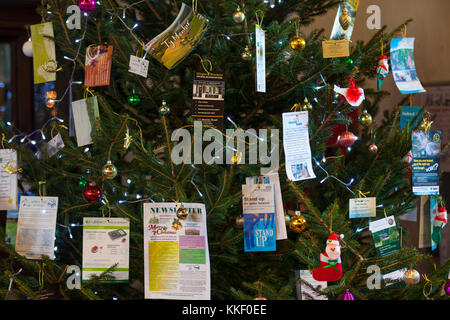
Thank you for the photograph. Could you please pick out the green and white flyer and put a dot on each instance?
(106, 244)
(386, 237)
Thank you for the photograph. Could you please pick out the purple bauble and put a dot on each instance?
(447, 288)
(87, 6)
(348, 296)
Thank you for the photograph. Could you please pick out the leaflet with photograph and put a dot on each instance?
(44, 56)
(97, 71)
(305, 291)
(296, 146)
(8, 179)
(426, 151)
(363, 208)
(404, 67)
(208, 99)
(85, 116)
(176, 254)
(36, 227)
(258, 202)
(345, 20)
(106, 243)
(172, 45)
(274, 179)
(260, 39)
(385, 235)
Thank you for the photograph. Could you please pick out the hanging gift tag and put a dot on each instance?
(345, 20)
(138, 66)
(97, 71)
(304, 290)
(176, 254)
(296, 146)
(273, 179)
(208, 99)
(260, 59)
(335, 48)
(385, 235)
(54, 145)
(426, 153)
(259, 217)
(85, 116)
(8, 179)
(44, 63)
(36, 227)
(106, 243)
(363, 208)
(172, 45)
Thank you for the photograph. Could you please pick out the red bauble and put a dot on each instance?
(347, 139)
(87, 6)
(92, 193)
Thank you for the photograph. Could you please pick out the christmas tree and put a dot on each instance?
(129, 161)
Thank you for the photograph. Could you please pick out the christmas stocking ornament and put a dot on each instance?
(382, 70)
(330, 268)
(354, 95)
(440, 219)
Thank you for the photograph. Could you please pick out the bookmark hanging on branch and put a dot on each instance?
(260, 36)
(383, 67)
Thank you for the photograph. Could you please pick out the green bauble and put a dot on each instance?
(82, 182)
(349, 62)
(133, 100)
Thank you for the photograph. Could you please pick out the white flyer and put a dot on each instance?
(8, 181)
(280, 223)
(85, 114)
(176, 255)
(138, 66)
(36, 227)
(106, 242)
(260, 59)
(297, 150)
(363, 208)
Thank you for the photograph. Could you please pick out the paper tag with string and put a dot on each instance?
(363, 207)
(139, 65)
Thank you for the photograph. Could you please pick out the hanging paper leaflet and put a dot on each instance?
(345, 20)
(44, 63)
(8, 179)
(176, 255)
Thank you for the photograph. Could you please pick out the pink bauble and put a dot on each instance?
(87, 6)
(348, 296)
(347, 139)
(260, 298)
(373, 148)
(447, 288)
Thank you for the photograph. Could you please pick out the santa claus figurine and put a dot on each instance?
(440, 219)
(330, 268)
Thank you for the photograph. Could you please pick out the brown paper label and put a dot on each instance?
(336, 48)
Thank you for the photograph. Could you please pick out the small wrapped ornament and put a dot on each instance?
(411, 277)
(91, 192)
(238, 15)
(246, 54)
(365, 119)
(348, 296)
(133, 99)
(382, 70)
(354, 95)
(87, 6)
(297, 223)
(109, 170)
(347, 139)
(330, 268)
(164, 110)
(182, 212)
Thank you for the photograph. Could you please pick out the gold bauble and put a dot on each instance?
(182, 212)
(240, 221)
(109, 170)
(373, 148)
(411, 277)
(365, 118)
(298, 43)
(238, 15)
(425, 125)
(246, 54)
(298, 223)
